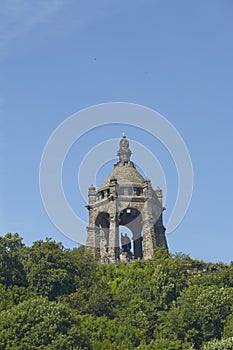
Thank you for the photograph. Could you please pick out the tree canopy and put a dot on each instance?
(56, 298)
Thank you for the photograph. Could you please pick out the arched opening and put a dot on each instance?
(131, 219)
(102, 230)
(125, 231)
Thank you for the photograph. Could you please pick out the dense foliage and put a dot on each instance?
(54, 298)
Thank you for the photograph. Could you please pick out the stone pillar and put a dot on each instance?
(91, 195)
(148, 231)
(113, 187)
(160, 237)
(137, 243)
(148, 224)
(113, 243)
(103, 245)
(159, 195)
(158, 227)
(92, 243)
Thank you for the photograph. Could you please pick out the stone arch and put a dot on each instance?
(102, 224)
(102, 220)
(102, 231)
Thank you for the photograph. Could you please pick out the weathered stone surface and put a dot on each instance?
(125, 199)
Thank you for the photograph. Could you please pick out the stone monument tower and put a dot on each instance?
(125, 198)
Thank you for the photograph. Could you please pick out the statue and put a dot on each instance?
(125, 243)
(124, 152)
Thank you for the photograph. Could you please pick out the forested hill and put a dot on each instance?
(53, 298)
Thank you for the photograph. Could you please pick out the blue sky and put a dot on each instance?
(58, 57)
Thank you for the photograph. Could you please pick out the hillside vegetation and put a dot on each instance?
(54, 298)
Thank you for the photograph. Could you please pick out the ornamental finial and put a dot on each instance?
(124, 152)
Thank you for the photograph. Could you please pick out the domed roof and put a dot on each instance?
(124, 171)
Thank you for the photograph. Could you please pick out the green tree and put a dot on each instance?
(228, 329)
(13, 295)
(223, 344)
(198, 315)
(165, 344)
(37, 324)
(95, 300)
(50, 271)
(85, 265)
(11, 260)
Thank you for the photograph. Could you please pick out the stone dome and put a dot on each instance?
(126, 175)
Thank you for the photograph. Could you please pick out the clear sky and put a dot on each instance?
(176, 57)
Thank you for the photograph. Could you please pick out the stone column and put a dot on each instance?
(148, 246)
(92, 243)
(159, 195)
(160, 237)
(158, 227)
(103, 245)
(113, 243)
(148, 224)
(137, 243)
